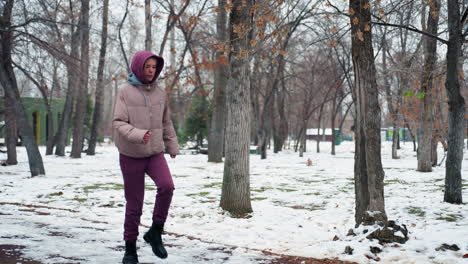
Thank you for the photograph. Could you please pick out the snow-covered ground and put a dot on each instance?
(78, 207)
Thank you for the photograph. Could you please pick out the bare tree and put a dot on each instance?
(73, 71)
(11, 130)
(456, 102)
(10, 86)
(427, 80)
(98, 104)
(235, 195)
(368, 171)
(148, 19)
(80, 109)
(216, 133)
(171, 20)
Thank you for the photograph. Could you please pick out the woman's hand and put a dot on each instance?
(146, 137)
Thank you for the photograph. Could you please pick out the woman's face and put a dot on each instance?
(149, 70)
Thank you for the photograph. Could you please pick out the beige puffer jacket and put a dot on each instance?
(138, 109)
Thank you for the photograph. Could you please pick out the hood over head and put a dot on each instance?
(138, 63)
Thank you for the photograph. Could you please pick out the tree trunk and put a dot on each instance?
(255, 102)
(235, 196)
(368, 172)
(148, 42)
(10, 86)
(333, 117)
(434, 151)
(265, 128)
(11, 131)
(456, 130)
(216, 136)
(281, 131)
(427, 79)
(80, 110)
(412, 135)
(51, 140)
(47, 102)
(319, 126)
(98, 104)
(395, 139)
(389, 96)
(73, 73)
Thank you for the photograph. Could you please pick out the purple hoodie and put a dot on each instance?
(138, 63)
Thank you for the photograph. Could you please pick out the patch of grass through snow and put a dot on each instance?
(449, 217)
(387, 182)
(286, 189)
(262, 189)
(80, 200)
(103, 186)
(55, 194)
(214, 184)
(315, 193)
(310, 207)
(198, 194)
(416, 211)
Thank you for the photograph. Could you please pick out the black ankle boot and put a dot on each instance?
(153, 236)
(130, 256)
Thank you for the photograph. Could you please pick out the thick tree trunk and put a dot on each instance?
(148, 42)
(73, 73)
(456, 131)
(98, 104)
(235, 196)
(216, 133)
(281, 133)
(10, 86)
(80, 110)
(427, 79)
(281, 129)
(11, 131)
(368, 173)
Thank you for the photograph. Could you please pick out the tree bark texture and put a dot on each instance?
(11, 131)
(73, 73)
(80, 110)
(148, 41)
(221, 76)
(98, 103)
(427, 80)
(368, 173)
(456, 103)
(235, 196)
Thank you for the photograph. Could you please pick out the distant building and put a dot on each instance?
(325, 135)
(37, 117)
(387, 134)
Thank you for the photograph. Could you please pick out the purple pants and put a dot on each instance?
(133, 171)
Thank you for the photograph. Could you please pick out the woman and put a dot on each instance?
(143, 132)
